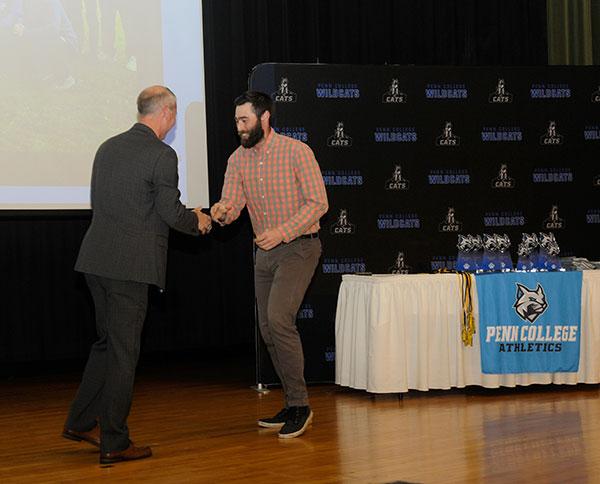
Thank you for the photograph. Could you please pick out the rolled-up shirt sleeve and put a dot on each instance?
(233, 190)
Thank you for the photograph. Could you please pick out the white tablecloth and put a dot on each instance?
(396, 333)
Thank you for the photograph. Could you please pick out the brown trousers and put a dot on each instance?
(281, 277)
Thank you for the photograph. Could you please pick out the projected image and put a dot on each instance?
(70, 74)
(64, 54)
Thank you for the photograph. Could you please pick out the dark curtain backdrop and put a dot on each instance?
(46, 311)
(573, 32)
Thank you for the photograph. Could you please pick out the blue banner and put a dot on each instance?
(529, 322)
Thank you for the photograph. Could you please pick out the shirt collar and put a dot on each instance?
(268, 143)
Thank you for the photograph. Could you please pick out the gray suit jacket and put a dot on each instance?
(135, 200)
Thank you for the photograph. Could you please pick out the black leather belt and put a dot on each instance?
(314, 235)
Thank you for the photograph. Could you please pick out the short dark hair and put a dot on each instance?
(260, 102)
(153, 98)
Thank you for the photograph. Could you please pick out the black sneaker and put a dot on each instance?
(298, 419)
(275, 422)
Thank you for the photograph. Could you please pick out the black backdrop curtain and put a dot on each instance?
(46, 311)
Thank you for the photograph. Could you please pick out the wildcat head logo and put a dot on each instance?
(491, 242)
(503, 242)
(469, 243)
(548, 242)
(530, 304)
(465, 243)
(283, 94)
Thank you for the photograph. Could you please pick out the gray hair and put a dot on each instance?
(153, 99)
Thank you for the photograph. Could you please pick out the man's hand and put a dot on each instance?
(269, 239)
(219, 212)
(204, 222)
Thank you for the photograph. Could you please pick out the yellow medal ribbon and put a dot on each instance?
(468, 319)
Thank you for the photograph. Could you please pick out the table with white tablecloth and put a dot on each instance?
(396, 333)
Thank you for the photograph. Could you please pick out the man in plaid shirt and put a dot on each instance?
(278, 179)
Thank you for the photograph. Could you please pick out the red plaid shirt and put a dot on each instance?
(281, 184)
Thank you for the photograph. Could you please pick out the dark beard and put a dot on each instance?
(255, 135)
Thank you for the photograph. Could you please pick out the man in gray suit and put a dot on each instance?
(134, 200)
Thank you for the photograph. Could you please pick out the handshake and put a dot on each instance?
(218, 213)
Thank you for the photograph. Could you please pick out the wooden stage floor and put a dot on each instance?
(200, 423)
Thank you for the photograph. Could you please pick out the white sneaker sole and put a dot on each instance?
(267, 425)
(301, 431)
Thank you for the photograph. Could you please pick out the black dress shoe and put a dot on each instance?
(91, 436)
(130, 453)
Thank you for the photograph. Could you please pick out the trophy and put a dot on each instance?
(549, 251)
(524, 263)
(477, 243)
(527, 252)
(490, 260)
(465, 259)
(504, 260)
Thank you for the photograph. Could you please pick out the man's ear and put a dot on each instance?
(266, 116)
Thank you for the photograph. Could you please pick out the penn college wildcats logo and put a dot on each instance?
(397, 182)
(339, 139)
(447, 138)
(500, 95)
(450, 224)
(554, 222)
(283, 94)
(393, 94)
(596, 96)
(530, 304)
(551, 137)
(343, 225)
(399, 266)
(503, 180)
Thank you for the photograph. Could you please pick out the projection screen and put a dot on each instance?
(70, 72)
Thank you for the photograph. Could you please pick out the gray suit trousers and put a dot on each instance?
(106, 388)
